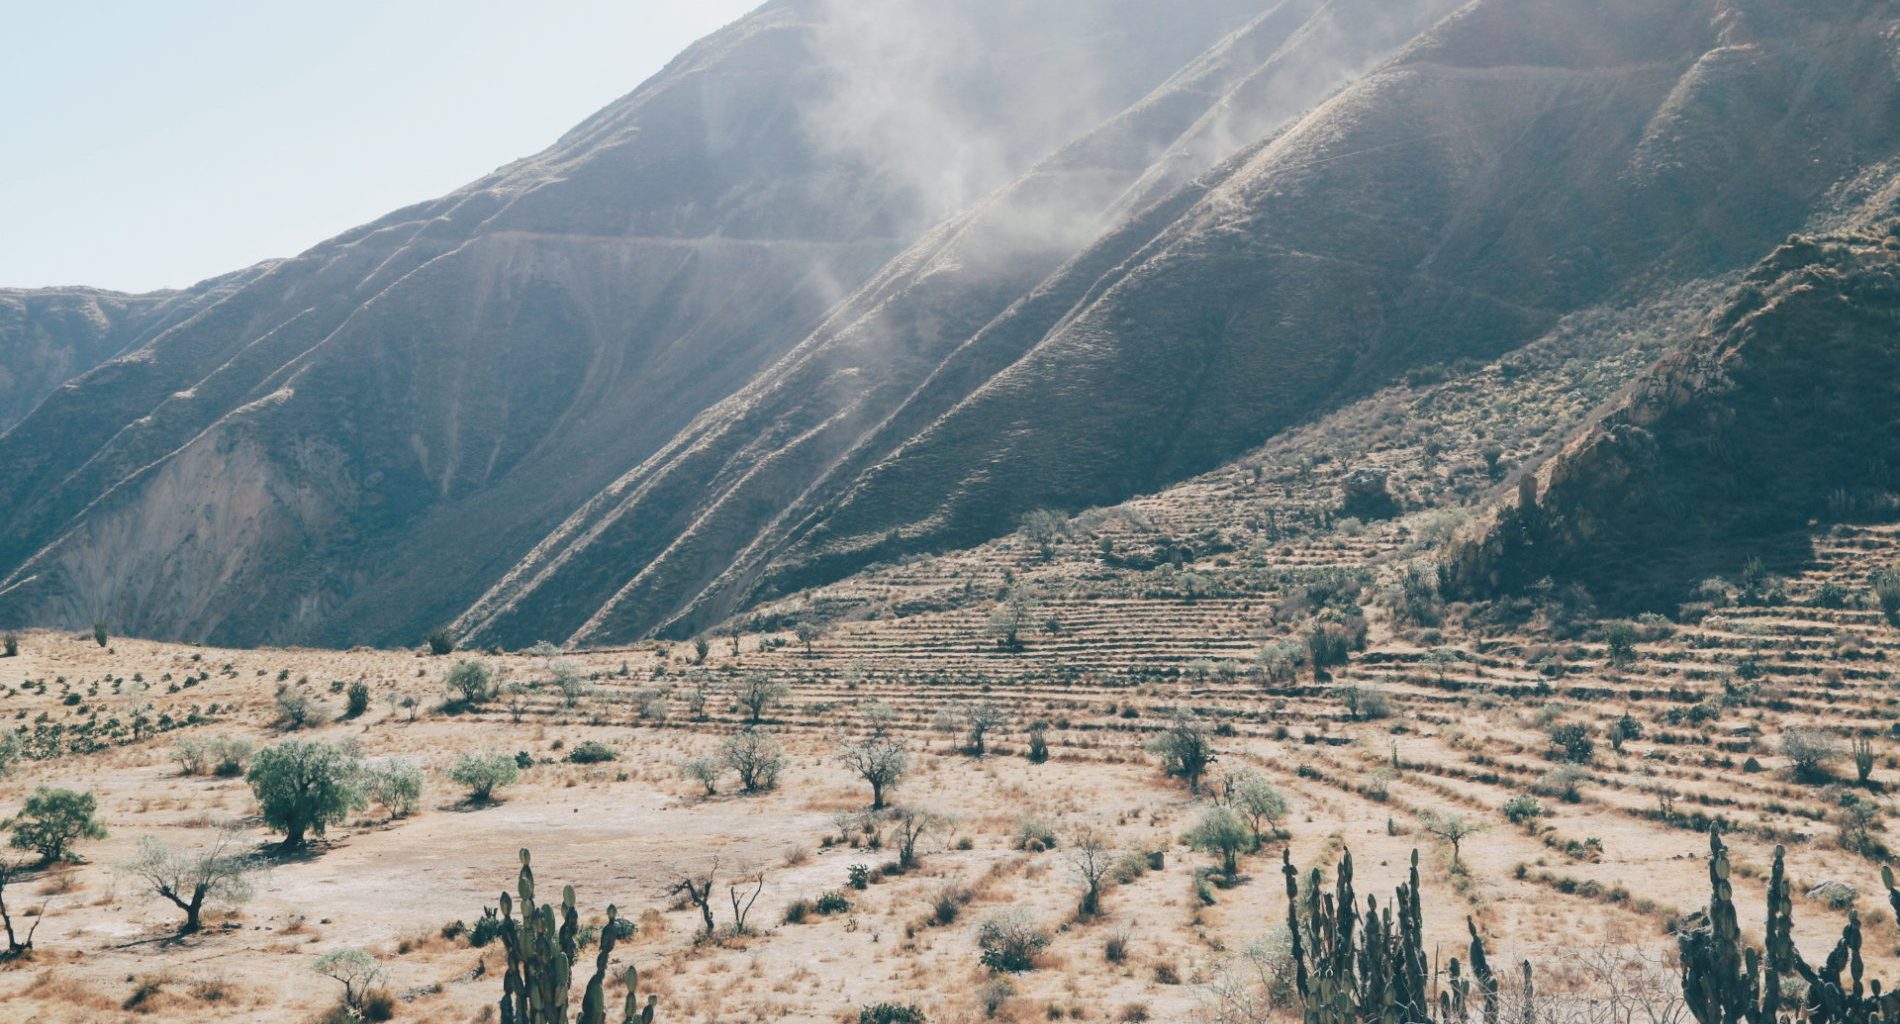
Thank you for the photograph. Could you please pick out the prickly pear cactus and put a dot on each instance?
(541, 950)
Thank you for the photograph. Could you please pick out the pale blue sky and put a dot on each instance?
(150, 144)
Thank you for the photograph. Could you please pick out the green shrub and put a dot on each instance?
(890, 1013)
(484, 773)
(1010, 943)
(832, 902)
(440, 642)
(357, 700)
(591, 752)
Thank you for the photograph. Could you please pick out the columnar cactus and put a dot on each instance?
(541, 955)
(1352, 966)
(1725, 982)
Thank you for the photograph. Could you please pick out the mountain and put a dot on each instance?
(1729, 449)
(848, 282)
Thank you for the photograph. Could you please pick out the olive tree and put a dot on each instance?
(880, 761)
(189, 879)
(305, 786)
(52, 821)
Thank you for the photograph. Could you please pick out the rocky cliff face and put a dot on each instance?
(1781, 414)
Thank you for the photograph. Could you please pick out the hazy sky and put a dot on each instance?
(153, 144)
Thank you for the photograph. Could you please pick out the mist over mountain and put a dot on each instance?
(847, 282)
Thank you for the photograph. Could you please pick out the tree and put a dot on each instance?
(471, 682)
(1452, 828)
(396, 784)
(305, 786)
(191, 878)
(695, 885)
(518, 698)
(52, 821)
(1011, 617)
(1809, 752)
(568, 681)
(484, 773)
(703, 770)
(881, 761)
(1222, 833)
(12, 644)
(741, 900)
(1256, 801)
(807, 633)
(1186, 750)
(16, 946)
(1327, 645)
(913, 824)
(755, 757)
(757, 694)
(701, 647)
(1090, 858)
(355, 970)
(979, 720)
(99, 635)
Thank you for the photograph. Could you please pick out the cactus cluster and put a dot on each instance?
(541, 951)
(1724, 981)
(1352, 966)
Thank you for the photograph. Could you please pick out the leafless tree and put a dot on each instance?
(10, 872)
(1090, 858)
(912, 824)
(189, 878)
(979, 720)
(695, 886)
(741, 900)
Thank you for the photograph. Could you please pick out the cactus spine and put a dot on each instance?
(541, 952)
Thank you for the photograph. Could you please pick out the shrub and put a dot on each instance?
(797, 910)
(484, 773)
(1034, 835)
(356, 700)
(471, 682)
(190, 756)
(396, 784)
(1523, 809)
(859, 876)
(440, 642)
(12, 645)
(229, 757)
(1010, 942)
(52, 821)
(305, 786)
(591, 752)
(1809, 751)
(1365, 704)
(890, 1013)
(1572, 740)
(1038, 751)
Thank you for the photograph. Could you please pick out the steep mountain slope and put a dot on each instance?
(51, 335)
(1514, 162)
(362, 438)
(1728, 449)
